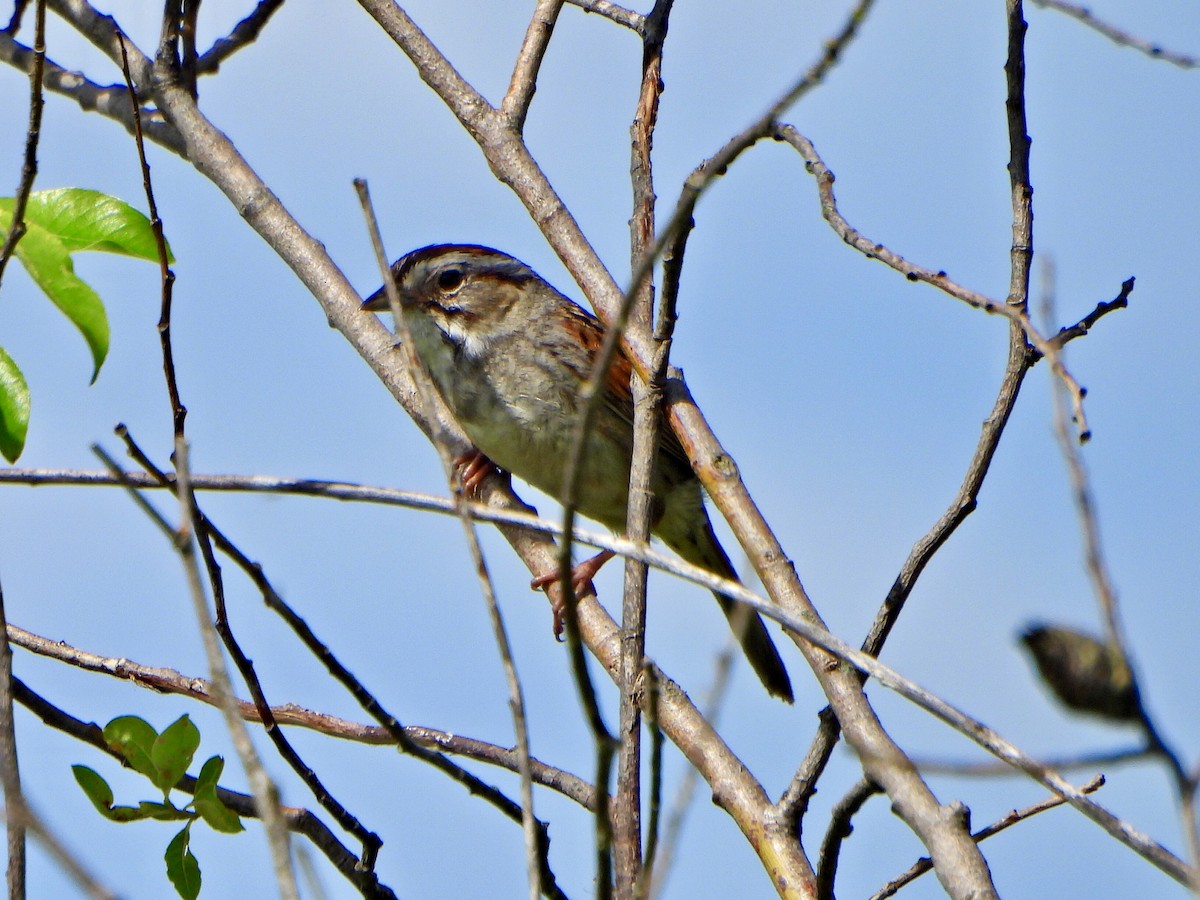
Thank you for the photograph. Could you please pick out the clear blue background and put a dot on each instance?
(850, 399)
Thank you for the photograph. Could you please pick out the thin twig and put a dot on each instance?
(535, 860)
(244, 34)
(299, 820)
(1105, 591)
(266, 794)
(1068, 333)
(1015, 312)
(170, 681)
(839, 829)
(994, 768)
(628, 859)
(645, 880)
(110, 101)
(619, 14)
(1021, 256)
(923, 865)
(521, 87)
(714, 703)
(1020, 358)
(10, 770)
(187, 43)
(1118, 36)
(29, 168)
(166, 275)
(795, 800)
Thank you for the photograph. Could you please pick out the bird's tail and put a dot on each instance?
(748, 627)
(760, 650)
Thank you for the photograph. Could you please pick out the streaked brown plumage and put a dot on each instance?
(509, 355)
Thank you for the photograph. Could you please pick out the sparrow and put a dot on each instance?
(510, 355)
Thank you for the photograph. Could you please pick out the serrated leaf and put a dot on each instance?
(14, 408)
(101, 795)
(133, 738)
(182, 867)
(89, 220)
(173, 750)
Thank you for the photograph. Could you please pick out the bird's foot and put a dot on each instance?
(581, 585)
(472, 470)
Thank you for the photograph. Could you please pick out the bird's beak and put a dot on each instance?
(377, 302)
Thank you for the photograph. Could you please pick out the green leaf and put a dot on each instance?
(182, 867)
(162, 811)
(134, 739)
(101, 795)
(70, 220)
(14, 408)
(48, 262)
(206, 802)
(210, 774)
(173, 750)
(88, 220)
(95, 787)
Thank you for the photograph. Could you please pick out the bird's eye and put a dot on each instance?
(449, 279)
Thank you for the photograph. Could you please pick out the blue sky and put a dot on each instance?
(850, 399)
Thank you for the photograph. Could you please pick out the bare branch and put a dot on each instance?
(1018, 163)
(795, 800)
(629, 861)
(244, 34)
(536, 861)
(110, 101)
(613, 12)
(997, 769)
(921, 866)
(37, 64)
(298, 820)
(1098, 571)
(15, 813)
(1015, 312)
(166, 680)
(714, 702)
(1069, 333)
(105, 35)
(839, 829)
(515, 105)
(1118, 36)
(266, 793)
